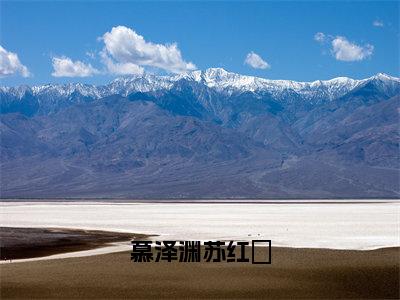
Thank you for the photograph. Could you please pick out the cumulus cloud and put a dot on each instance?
(319, 37)
(127, 52)
(378, 23)
(119, 68)
(11, 65)
(255, 61)
(65, 67)
(344, 50)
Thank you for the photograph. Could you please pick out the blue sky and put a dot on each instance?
(95, 41)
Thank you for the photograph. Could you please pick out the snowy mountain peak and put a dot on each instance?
(206, 76)
(385, 77)
(216, 73)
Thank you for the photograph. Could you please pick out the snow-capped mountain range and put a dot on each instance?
(206, 134)
(213, 78)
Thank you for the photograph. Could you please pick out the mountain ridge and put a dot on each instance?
(209, 76)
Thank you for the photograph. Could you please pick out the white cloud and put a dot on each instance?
(10, 64)
(344, 50)
(117, 68)
(255, 61)
(126, 51)
(319, 37)
(378, 23)
(65, 67)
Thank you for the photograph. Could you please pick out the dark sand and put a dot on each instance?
(294, 273)
(16, 243)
